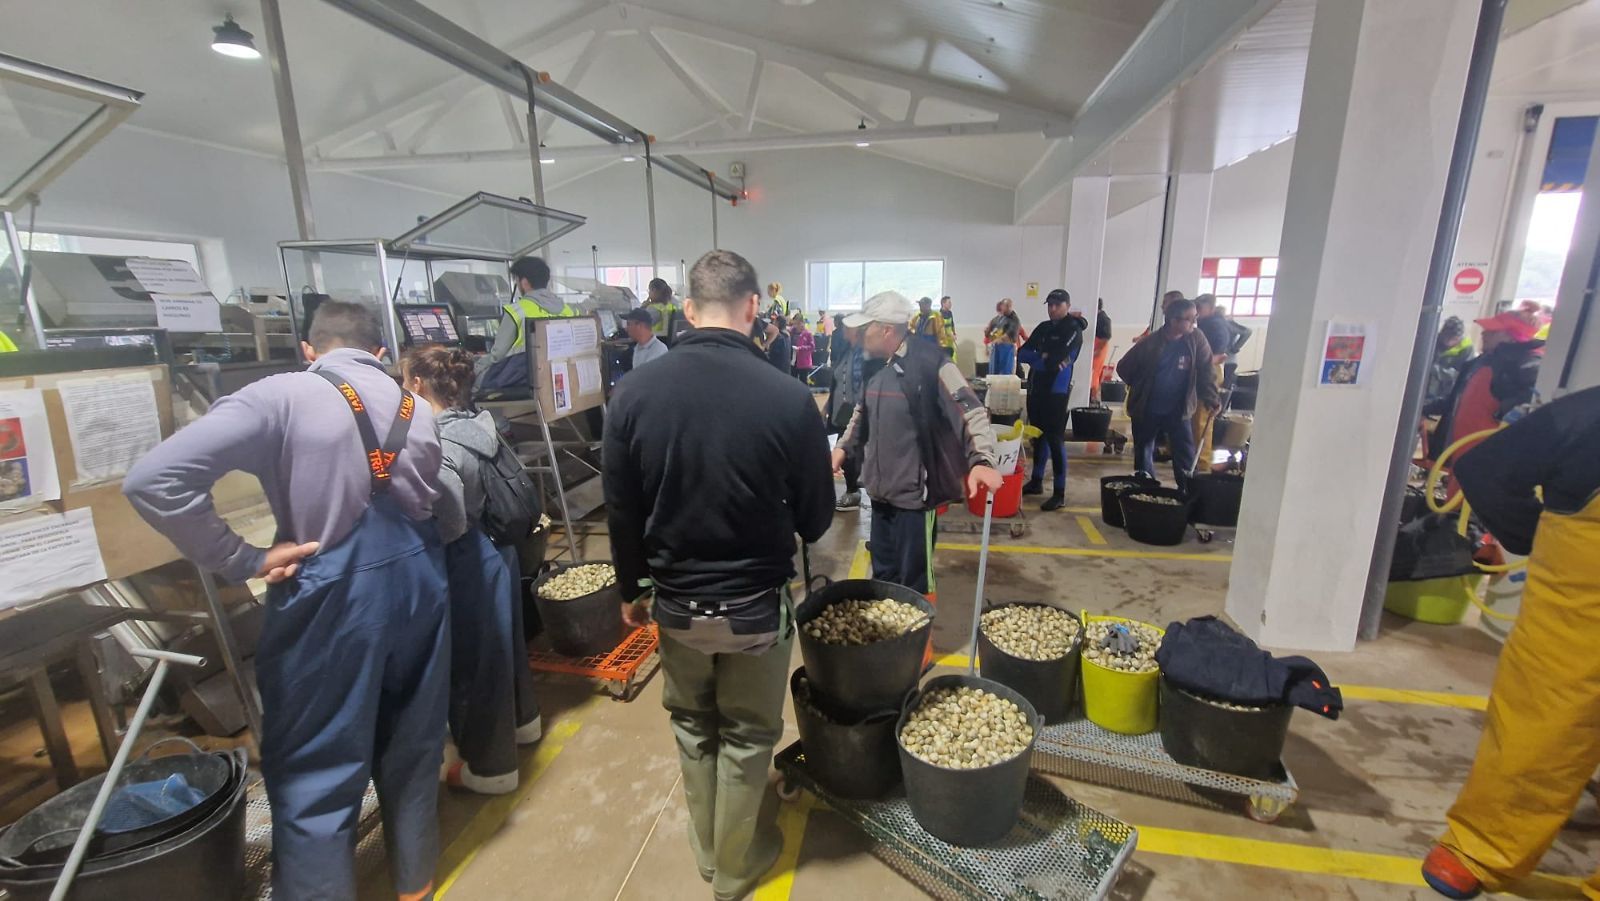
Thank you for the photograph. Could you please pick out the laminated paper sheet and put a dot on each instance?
(46, 555)
(560, 387)
(112, 422)
(558, 340)
(187, 314)
(27, 455)
(589, 380)
(166, 276)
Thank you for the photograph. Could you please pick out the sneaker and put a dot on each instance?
(530, 732)
(1446, 874)
(1034, 486)
(1056, 502)
(850, 500)
(462, 776)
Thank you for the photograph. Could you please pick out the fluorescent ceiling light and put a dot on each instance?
(629, 159)
(546, 160)
(231, 40)
(863, 143)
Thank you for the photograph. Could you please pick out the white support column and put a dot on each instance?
(1376, 126)
(1081, 261)
(1183, 240)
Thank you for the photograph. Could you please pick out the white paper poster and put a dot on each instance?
(112, 422)
(1346, 355)
(585, 335)
(166, 276)
(558, 339)
(588, 375)
(187, 314)
(46, 555)
(27, 457)
(559, 389)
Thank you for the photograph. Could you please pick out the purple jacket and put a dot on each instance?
(296, 435)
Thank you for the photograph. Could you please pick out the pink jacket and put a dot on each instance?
(805, 344)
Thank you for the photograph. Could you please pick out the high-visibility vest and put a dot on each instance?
(7, 346)
(528, 308)
(663, 313)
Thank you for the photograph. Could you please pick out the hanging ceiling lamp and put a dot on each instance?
(231, 40)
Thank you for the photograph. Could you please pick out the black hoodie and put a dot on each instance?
(711, 466)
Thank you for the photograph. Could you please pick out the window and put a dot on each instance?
(1244, 285)
(119, 247)
(636, 278)
(843, 286)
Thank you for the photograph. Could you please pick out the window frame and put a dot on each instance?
(944, 267)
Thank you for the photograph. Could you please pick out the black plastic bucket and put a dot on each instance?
(1152, 523)
(853, 681)
(202, 863)
(967, 807)
(1110, 510)
(1200, 733)
(530, 551)
(1090, 423)
(1113, 392)
(1216, 497)
(584, 626)
(1050, 686)
(854, 760)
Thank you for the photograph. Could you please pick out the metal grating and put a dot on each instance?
(370, 854)
(1059, 850)
(1081, 741)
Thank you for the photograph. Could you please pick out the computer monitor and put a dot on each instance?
(427, 323)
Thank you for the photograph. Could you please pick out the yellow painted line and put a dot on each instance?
(1088, 528)
(1407, 696)
(1081, 509)
(1090, 552)
(779, 881)
(493, 815)
(1390, 868)
(861, 563)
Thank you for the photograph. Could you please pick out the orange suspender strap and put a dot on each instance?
(380, 457)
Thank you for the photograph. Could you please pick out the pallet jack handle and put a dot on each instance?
(983, 572)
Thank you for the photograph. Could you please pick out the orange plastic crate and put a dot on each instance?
(621, 664)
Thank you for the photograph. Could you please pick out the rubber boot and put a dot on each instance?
(1446, 874)
(1056, 502)
(1033, 486)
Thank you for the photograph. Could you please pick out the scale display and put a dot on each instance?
(427, 324)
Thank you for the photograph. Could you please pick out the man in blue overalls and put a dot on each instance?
(353, 663)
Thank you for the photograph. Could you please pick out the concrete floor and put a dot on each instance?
(603, 817)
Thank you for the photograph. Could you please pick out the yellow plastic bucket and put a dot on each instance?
(1443, 601)
(1118, 701)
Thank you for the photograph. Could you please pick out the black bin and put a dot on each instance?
(854, 760)
(1111, 487)
(584, 626)
(853, 681)
(1113, 392)
(967, 807)
(1201, 733)
(1049, 685)
(1090, 423)
(1216, 497)
(1149, 522)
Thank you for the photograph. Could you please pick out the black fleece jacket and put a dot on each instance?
(711, 466)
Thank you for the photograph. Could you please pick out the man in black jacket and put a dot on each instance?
(711, 467)
(1169, 378)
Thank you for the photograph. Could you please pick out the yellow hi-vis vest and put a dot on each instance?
(663, 313)
(7, 346)
(528, 308)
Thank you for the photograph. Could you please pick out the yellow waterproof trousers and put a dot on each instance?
(1541, 743)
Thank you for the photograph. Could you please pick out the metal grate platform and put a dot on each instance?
(370, 854)
(630, 663)
(1059, 850)
(1078, 749)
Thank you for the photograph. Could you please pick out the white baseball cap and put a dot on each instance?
(888, 306)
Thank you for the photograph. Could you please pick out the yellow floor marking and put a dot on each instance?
(1088, 528)
(1081, 509)
(1407, 696)
(493, 815)
(861, 563)
(1090, 552)
(779, 881)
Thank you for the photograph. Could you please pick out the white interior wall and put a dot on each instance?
(837, 204)
(234, 204)
(1128, 273)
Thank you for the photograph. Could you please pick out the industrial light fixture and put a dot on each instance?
(863, 143)
(863, 127)
(630, 158)
(231, 40)
(546, 160)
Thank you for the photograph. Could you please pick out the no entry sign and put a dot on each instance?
(1469, 280)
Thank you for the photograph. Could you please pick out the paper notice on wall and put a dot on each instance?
(558, 340)
(585, 335)
(1345, 355)
(46, 555)
(560, 390)
(27, 456)
(187, 314)
(589, 380)
(112, 423)
(166, 276)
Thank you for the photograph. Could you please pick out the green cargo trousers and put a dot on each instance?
(727, 715)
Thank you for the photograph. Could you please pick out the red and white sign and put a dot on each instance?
(1468, 280)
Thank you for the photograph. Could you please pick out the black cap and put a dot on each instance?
(1059, 295)
(639, 314)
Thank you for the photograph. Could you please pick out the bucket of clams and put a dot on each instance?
(965, 744)
(581, 608)
(1120, 673)
(1111, 487)
(862, 641)
(852, 758)
(1033, 648)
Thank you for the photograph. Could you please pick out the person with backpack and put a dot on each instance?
(488, 505)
